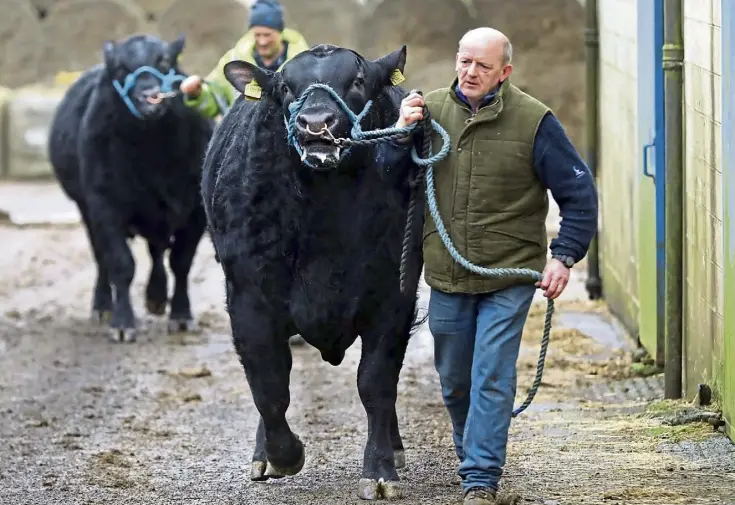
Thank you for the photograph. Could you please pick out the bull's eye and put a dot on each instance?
(163, 64)
(359, 81)
(285, 90)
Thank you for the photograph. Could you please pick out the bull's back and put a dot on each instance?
(65, 128)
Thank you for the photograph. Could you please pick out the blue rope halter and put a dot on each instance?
(357, 133)
(167, 81)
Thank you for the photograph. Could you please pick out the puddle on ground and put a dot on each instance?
(603, 329)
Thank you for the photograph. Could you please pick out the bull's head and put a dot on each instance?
(143, 69)
(320, 119)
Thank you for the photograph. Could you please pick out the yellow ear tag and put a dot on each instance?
(397, 77)
(253, 90)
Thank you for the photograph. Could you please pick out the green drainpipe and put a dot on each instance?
(591, 41)
(673, 56)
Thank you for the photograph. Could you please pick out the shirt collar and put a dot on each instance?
(485, 100)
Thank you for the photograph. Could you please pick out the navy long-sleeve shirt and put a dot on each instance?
(561, 170)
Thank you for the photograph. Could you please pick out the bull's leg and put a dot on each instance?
(266, 359)
(260, 460)
(102, 296)
(399, 454)
(259, 468)
(377, 381)
(156, 292)
(108, 229)
(186, 241)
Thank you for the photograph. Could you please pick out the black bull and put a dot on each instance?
(311, 244)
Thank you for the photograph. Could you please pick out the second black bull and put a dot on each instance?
(131, 161)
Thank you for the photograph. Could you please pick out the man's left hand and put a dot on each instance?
(555, 279)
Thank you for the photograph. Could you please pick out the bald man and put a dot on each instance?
(507, 150)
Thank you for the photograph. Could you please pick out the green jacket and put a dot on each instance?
(490, 200)
(217, 83)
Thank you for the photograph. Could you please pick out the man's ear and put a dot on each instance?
(249, 79)
(391, 67)
(109, 53)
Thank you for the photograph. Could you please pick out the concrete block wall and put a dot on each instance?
(703, 207)
(619, 158)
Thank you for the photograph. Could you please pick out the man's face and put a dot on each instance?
(480, 68)
(267, 41)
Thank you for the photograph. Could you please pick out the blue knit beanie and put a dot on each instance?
(266, 13)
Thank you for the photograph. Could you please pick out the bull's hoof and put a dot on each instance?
(296, 341)
(101, 316)
(257, 471)
(399, 457)
(392, 490)
(155, 307)
(371, 489)
(277, 470)
(182, 326)
(123, 335)
(272, 473)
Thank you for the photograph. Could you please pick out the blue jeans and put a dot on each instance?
(477, 339)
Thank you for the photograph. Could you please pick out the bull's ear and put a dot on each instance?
(176, 46)
(109, 53)
(247, 78)
(391, 66)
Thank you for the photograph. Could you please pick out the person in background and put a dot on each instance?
(267, 43)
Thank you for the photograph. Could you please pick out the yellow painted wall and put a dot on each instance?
(703, 210)
(618, 163)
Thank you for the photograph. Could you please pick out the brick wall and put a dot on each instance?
(703, 208)
(619, 157)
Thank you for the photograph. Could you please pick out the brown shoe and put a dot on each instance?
(479, 496)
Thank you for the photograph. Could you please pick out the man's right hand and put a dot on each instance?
(411, 110)
(191, 86)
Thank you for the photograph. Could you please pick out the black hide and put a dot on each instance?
(314, 251)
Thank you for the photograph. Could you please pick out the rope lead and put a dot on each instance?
(424, 161)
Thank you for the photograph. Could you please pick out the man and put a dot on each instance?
(267, 44)
(507, 150)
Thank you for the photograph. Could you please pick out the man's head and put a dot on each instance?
(266, 23)
(483, 61)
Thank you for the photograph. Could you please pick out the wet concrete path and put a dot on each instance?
(170, 419)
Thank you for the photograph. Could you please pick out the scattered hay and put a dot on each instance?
(640, 493)
(113, 457)
(193, 373)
